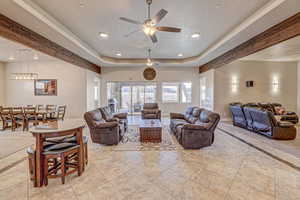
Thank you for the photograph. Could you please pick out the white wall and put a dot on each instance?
(230, 84)
(2, 84)
(163, 74)
(71, 81)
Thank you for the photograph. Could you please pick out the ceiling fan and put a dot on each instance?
(149, 25)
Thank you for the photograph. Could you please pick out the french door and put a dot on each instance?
(133, 95)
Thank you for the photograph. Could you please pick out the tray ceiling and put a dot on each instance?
(213, 19)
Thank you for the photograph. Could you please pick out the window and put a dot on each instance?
(96, 97)
(186, 92)
(177, 92)
(150, 93)
(170, 92)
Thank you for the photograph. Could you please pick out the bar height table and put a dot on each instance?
(55, 129)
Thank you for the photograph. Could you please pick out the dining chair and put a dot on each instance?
(17, 118)
(52, 110)
(40, 107)
(30, 115)
(60, 114)
(6, 117)
(51, 107)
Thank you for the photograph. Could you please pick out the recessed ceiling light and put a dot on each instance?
(180, 55)
(11, 58)
(81, 3)
(195, 35)
(35, 57)
(103, 35)
(119, 54)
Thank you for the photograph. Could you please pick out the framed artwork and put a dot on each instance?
(45, 87)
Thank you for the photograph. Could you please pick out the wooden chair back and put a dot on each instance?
(17, 114)
(51, 107)
(40, 107)
(29, 111)
(5, 113)
(17, 110)
(61, 111)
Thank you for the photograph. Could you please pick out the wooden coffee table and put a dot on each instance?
(150, 130)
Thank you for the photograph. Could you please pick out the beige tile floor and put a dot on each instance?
(288, 150)
(229, 169)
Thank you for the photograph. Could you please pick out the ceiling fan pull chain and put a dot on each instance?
(148, 11)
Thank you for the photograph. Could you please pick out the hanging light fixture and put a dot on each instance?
(24, 75)
(149, 61)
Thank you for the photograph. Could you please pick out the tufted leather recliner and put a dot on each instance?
(261, 118)
(121, 118)
(101, 131)
(194, 129)
(238, 115)
(265, 123)
(151, 111)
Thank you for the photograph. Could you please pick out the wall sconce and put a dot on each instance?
(234, 84)
(275, 84)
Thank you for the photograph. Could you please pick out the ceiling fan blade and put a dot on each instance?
(158, 17)
(130, 21)
(168, 29)
(129, 34)
(153, 38)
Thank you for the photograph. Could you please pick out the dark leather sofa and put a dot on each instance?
(238, 115)
(265, 123)
(288, 116)
(260, 120)
(102, 131)
(195, 128)
(151, 111)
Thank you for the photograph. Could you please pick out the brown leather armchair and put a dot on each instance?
(102, 132)
(121, 118)
(151, 111)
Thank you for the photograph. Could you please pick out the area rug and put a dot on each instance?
(131, 142)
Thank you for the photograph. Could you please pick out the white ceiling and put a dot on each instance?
(19, 53)
(192, 16)
(287, 51)
(223, 24)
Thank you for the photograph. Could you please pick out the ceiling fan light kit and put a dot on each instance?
(149, 26)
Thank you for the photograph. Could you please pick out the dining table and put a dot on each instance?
(53, 130)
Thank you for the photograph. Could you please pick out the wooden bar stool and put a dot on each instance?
(68, 157)
(31, 161)
(73, 140)
(85, 148)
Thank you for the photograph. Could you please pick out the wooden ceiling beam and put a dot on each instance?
(16, 32)
(283, 31)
